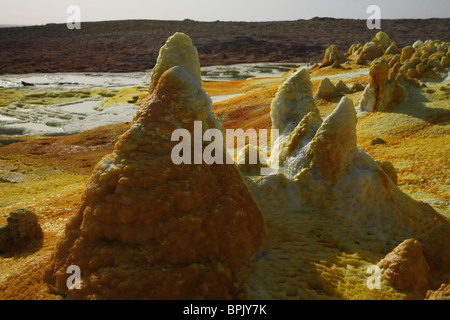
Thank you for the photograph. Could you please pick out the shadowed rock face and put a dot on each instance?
(149, 229)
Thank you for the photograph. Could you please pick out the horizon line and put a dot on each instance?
(11, 25)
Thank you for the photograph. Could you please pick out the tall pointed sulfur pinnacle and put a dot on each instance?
(177, 51)
(292, 102)
(332, 147)
(147, 228)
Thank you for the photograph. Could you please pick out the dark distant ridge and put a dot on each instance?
(10, 25)
(133, 45)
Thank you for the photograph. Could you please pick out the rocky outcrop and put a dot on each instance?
(22, 229)
(421, 60)
(357, 87)
(369, 52)
(328, 91)
(148, 228)
(407, 53)
(382, 39)
(425, 60)
(392, 49)
(384, 90)
(406, 268)
(324, 179)
(293, 103)
(342, 87)
(392, 70)
(331, 57)
(354, 49)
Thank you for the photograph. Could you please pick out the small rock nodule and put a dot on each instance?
(22, 228)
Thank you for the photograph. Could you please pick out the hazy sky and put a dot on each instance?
(32, 12)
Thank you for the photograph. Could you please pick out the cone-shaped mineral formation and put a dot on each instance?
(326, 90)
(292, 102)
(147, 228)
(323, 154)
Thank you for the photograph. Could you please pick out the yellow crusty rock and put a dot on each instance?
(394, 60)
(356, 87)
(407, 53)
(392, 49)
(354, 48)
(342, 87)
(369, 51)
(424, 60)
(418, 44)
(293, 103)
(326, 90)
(379, 71)
(147, 228)
(445, 62)
(406, 268)
(382, 39)
(331, 56)
(383, 91)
